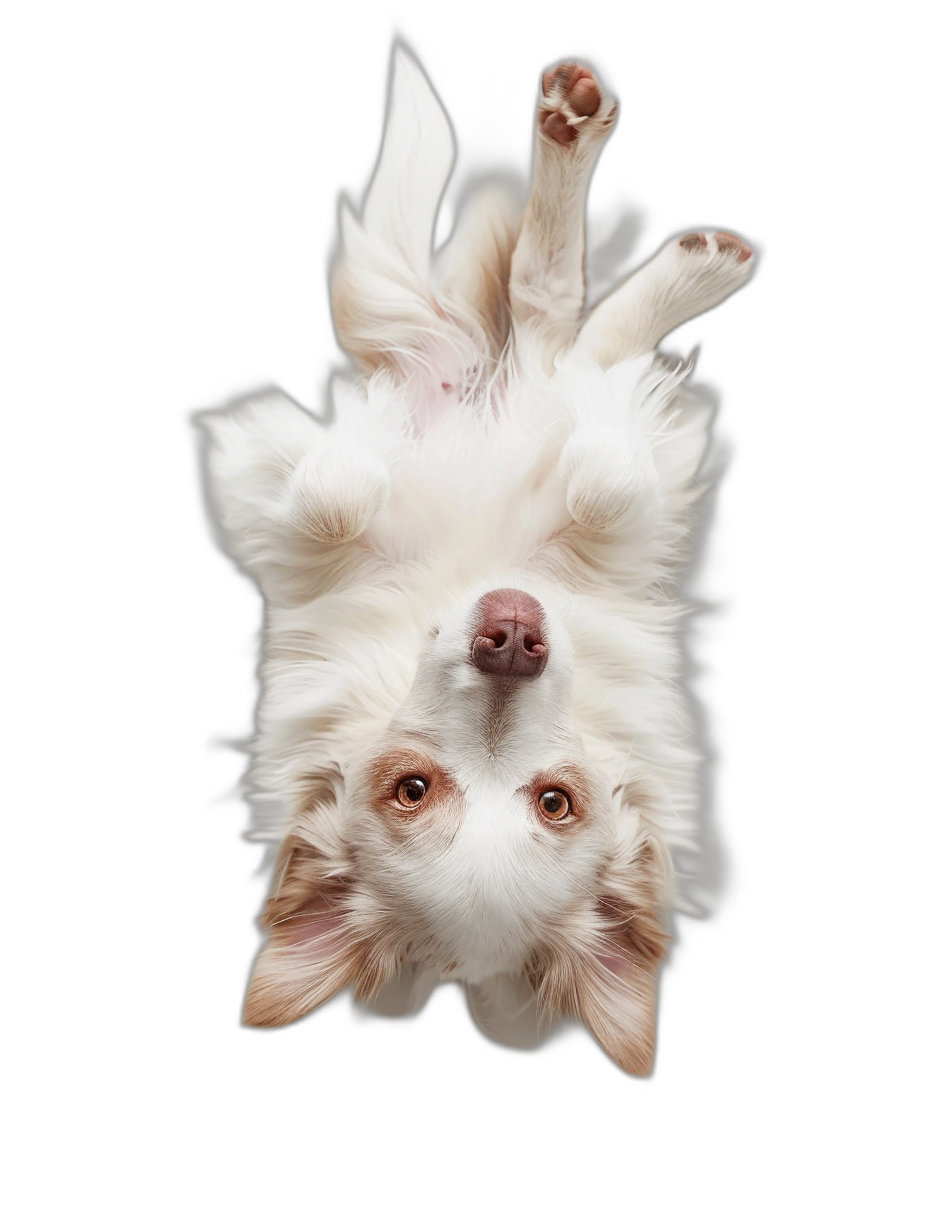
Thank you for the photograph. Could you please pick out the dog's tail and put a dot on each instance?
(383, 305)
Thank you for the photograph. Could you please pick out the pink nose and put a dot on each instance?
(509, 640)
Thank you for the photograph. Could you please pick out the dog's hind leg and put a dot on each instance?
(546, 284)
(687, 277)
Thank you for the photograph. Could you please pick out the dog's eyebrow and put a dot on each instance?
(568, 775)
(420, 737)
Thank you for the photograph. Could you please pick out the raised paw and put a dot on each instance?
(704, 268)
(573, 103)
(689, 275)
(724, 243)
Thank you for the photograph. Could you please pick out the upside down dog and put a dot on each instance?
(471, 747)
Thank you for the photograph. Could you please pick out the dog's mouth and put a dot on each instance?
(509, 639)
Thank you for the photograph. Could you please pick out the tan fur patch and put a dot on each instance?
(442, 806)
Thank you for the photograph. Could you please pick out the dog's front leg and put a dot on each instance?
(332, 494)
(611, 483)
(546, 284)
(291, 494)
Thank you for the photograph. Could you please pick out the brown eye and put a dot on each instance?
(410, 792)
(554, 804)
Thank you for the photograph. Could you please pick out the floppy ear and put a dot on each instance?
(605, 970)
(617, 986)
(311, 953)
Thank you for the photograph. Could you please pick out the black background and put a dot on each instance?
(242, 138)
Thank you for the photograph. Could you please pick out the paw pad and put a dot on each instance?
(731, 243)
(576, 85)
(571, 94)
(726, 244)
(694, 241)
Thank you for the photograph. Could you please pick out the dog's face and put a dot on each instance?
(479, 841)
(477, 816)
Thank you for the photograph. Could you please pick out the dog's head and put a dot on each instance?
(483, 833)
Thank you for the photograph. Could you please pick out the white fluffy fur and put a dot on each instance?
(492, 439)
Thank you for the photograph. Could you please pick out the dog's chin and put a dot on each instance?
(503, 1006)
(406, 992)
(506, 1008)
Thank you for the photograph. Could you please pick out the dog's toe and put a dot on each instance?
(693, 241)
(558, 127)
(574, 85)
(732, 244)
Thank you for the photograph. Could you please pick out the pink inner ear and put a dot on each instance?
(616, 964)
(320, 929)
(614, 960)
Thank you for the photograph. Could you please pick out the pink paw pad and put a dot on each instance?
(578, 88)
(693, 242)
(731, 243)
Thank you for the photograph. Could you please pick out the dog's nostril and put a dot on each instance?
(509, 640)
(524, 654)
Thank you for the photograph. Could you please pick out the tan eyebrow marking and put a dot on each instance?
(570, 778)
(442, 807)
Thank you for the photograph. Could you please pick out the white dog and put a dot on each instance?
(469, 729)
